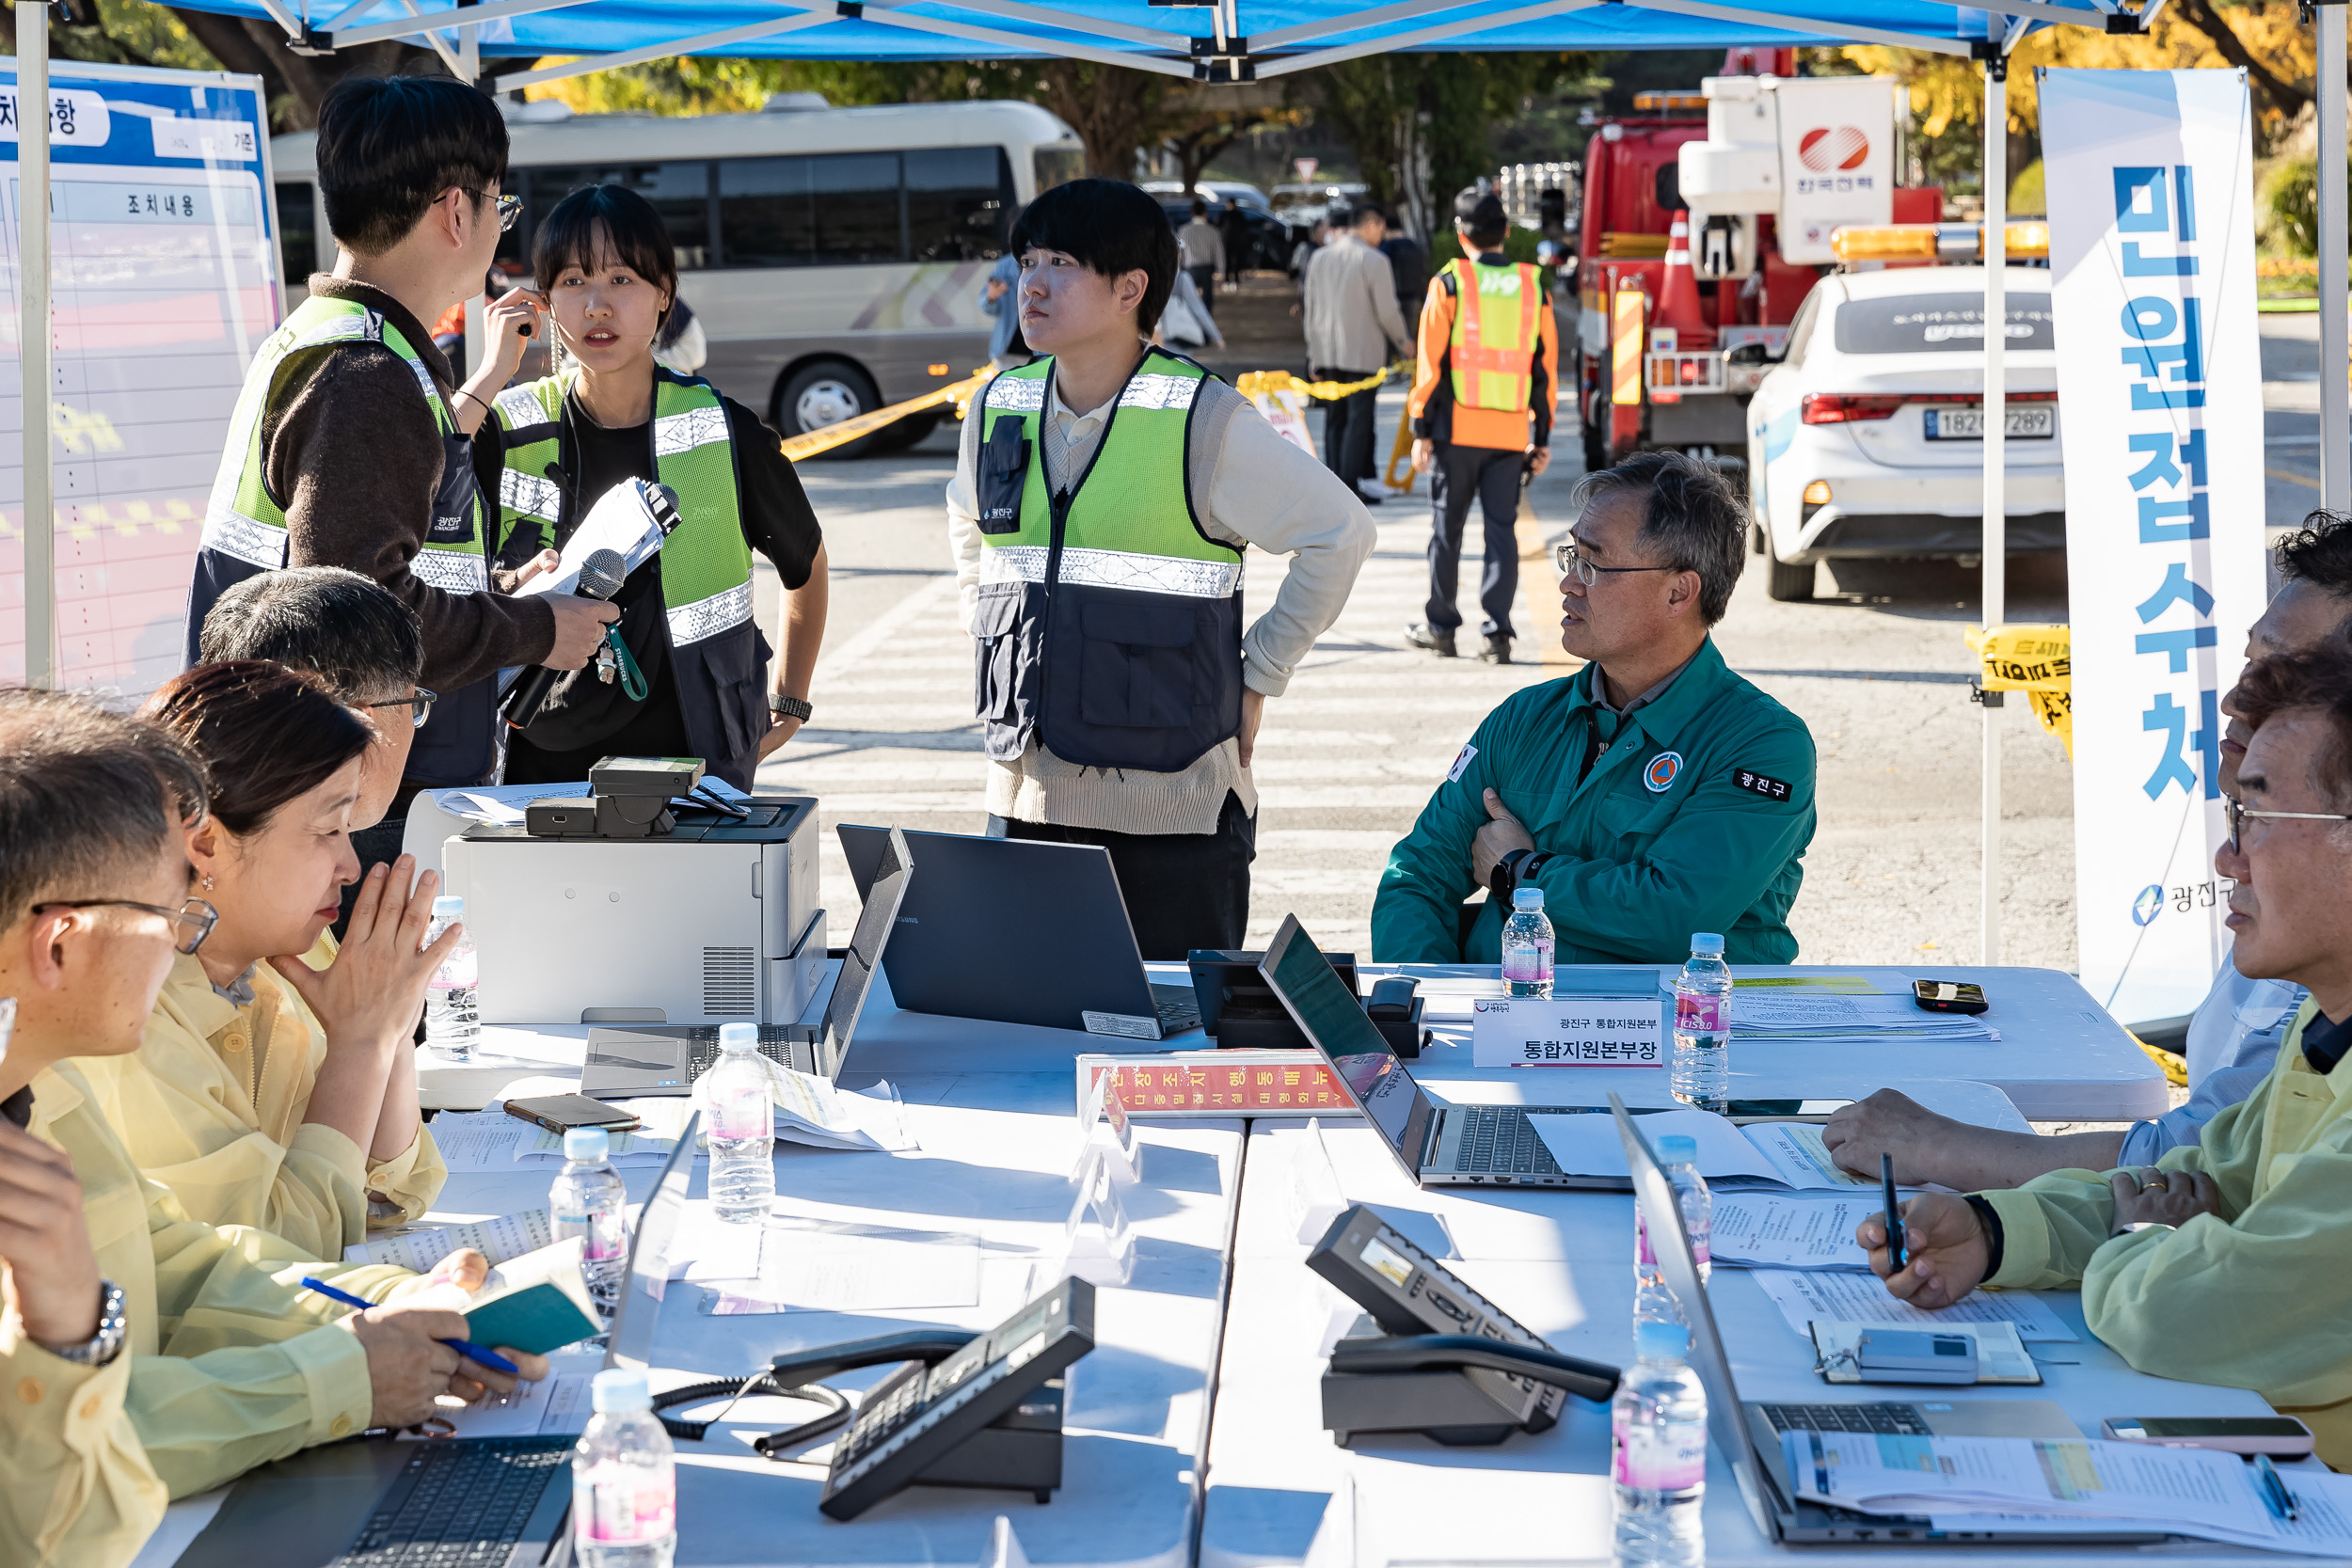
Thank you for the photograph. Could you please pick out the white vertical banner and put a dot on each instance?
(2152, 248)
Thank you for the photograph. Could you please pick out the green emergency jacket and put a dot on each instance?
(1695, 817)
(2247, 1298)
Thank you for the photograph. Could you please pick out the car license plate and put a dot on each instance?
(2033, 422)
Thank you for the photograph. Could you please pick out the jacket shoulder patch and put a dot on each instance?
(1761, 784)
(1461, 763)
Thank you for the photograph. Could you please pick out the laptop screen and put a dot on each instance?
(864, 955)
(630, 1343)
(1671, 1245)
(1331, 1015)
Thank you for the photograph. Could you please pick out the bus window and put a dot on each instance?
(958, 199)
(297, 232)
(855, 197)
(764, 217)
(1057, 166)
(680, 191)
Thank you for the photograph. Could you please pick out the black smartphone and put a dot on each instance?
(560, 1113)
(1815, 1110)
(1948, 996)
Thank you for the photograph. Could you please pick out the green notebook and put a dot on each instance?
(536, 1302)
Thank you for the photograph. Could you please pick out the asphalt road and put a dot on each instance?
(1876, 666)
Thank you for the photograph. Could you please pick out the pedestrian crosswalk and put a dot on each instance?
(1346, 760)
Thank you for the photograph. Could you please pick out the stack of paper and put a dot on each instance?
(811, 1111)
(1780, 1230)
(2076, 1487)
(1808, 1014)
(1827, 1295)
(418, 1249)
(1771, 1153)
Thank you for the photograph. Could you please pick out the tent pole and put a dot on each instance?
(32, 337)
(2335, 421)
(1996, 454)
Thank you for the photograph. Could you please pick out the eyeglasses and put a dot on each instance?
(510, 208)
(1571, 564)
(194, 920)
(420, 706)
(2237, 816)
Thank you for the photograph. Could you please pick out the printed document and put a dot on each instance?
(1863, 1298)
(418, 1249)
(1773, 1153)
(1777, 1231)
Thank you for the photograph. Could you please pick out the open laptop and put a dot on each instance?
(456, 1502)
(1438, 1146)
(1748, 1433)
(1020, 931)
(665, 1059)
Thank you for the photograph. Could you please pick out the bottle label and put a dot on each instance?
(1527, 965)
(1644, 1256)
(621, 1504)
(1669, 1456)
(605, 1237)
(461, 967)
(1700, 1015)
(741, 1113)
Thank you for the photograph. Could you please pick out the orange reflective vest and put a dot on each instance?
(1493, 347)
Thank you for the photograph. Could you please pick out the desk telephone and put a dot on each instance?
(1431, 1354)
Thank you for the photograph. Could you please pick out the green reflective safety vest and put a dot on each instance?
(1109, 623)
(245, 526)
(1494, 342)
(717, 658)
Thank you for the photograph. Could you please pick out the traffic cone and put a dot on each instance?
(1678, 298)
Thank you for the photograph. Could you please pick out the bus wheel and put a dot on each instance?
(823, 393)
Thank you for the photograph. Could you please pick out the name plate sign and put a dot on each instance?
(1567, 1031)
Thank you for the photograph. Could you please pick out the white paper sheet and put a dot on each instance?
(416, 1250)
(554, 1407)
(1770, 1231)
(1862, 1298)
(1586, 1144)
(476, 1141)
(1801, 1158)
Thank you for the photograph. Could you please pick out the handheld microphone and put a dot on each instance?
(600, 578)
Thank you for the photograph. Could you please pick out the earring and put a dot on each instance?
(208, 883)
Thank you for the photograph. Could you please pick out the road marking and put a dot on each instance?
(2292, 479)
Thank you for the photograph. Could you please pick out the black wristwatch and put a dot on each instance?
(790, 708)
(1506, 879)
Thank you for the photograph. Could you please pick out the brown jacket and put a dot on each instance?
(351, 452)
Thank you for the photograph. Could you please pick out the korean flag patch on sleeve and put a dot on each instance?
(1461, 763)
(1771, 788)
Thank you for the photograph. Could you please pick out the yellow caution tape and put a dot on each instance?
(2037, 660)
(1252, 382)
(960, 394)
(1401, 458)
(2175, 1068)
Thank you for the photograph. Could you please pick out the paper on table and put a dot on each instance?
(1771, 1230)
(664, 1118)
(1861, 1298)
(554, 1407)
(474, 1141)
(2322, 1528)
(416, 1250)
(1800, 1157)
(1586, 1144)
(2001, 1355)
(1846, 984)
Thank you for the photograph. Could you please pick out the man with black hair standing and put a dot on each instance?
(1202, 249)
(1102, 499)
(1481, 408)
(1353, 327)
(344, 449)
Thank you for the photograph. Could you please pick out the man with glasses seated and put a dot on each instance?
(2223, 1262)
(1652, 794)
(368, 648)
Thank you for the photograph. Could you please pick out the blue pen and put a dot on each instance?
(2275, 1493)
(465, 1348)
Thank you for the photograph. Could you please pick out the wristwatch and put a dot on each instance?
(791, 707)
(113, 1330)
(1513, 869)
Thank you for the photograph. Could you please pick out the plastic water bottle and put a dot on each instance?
(1658, 1454)
(624, 1480)
(588, 1201)
(743, 1128)
(1527, 947)
(1701, 1072)
(453, 1012)
(1653, 1300)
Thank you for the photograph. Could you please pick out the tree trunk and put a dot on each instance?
(1107, 105)
(2287, 96)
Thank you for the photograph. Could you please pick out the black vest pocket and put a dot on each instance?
(995, 672)
(1004, 472)
(1136, 668)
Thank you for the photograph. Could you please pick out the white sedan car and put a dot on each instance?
(1868, 440)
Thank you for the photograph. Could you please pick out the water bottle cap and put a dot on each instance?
(586, 1143)
(1706, 942)
(1678, 1148)
(449, 906)
(620, 1389)
(1652, 1341)
(739, 1036)
(1527, 898)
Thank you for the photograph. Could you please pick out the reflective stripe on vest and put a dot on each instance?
(706, 563)
(244, 521)
(1493, 346)
(1130, 524)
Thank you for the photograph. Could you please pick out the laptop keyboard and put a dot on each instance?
(1501, 1138)
(702, 1047)
(1895, 1421)
(459, 1504)
(1178, 1006)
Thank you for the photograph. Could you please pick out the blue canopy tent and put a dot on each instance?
(1265, 39)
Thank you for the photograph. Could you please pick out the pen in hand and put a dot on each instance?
(1895, 1257)
(465, 1348)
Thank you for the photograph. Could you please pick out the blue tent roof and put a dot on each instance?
(1281, 35)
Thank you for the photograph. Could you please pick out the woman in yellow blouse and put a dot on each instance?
(274, 1091)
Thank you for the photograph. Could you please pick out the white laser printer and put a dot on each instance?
(646, 902)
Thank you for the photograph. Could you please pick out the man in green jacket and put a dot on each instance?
(1650, 795)
(2224, 1261)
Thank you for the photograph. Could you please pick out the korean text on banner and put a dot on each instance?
(2152, 248)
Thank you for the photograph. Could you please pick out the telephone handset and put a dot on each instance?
(1436, 1356)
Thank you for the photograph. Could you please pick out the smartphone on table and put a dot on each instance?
(2281, 1436)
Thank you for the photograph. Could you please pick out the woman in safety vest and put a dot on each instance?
(689, 680)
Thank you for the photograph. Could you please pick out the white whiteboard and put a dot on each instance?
(165, 281)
